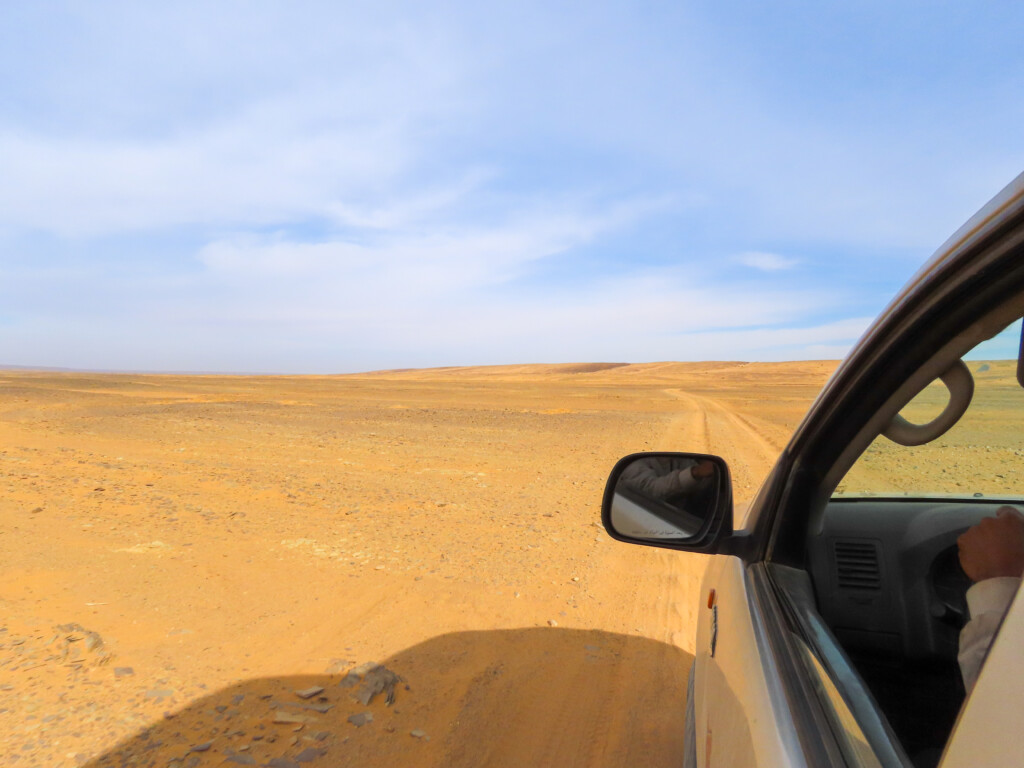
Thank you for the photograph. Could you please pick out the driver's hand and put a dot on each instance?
(702, 469)
(994, 547)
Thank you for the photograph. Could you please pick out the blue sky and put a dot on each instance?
(339, 187)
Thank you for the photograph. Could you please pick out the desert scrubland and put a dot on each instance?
(183, 556)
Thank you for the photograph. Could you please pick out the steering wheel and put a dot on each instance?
(949, 588)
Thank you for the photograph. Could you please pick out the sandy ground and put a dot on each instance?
(181, 557)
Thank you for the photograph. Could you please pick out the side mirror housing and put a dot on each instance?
(674, 500)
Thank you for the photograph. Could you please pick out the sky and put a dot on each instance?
(338, 187)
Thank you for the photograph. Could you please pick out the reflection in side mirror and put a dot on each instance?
(665, 496)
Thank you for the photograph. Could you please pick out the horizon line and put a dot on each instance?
(594, 366)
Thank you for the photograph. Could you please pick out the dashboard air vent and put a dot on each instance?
(857, 565)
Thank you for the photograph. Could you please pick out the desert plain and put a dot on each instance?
(185, 560)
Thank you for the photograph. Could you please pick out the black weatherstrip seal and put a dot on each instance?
(809, 719)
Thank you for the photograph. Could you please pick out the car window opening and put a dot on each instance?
(885, 563)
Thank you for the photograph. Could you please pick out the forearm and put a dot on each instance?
(987, 601)
(663, 486)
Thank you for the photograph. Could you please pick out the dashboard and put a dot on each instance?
(887, 577)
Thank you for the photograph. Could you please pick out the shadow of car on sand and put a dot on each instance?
(519, 697)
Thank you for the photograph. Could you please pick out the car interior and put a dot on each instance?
(882, 553)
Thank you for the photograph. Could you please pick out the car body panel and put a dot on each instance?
(739, 684)
(990, 722)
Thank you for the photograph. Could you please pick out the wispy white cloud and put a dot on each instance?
(789, 341)
(766, 262)
(379, 185)
(268, 303)
(445, 258)
(267, 164)
(374, 118)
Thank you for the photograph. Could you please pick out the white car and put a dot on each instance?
(829, 620)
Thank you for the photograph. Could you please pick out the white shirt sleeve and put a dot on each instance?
(987, 603)
(659, 483)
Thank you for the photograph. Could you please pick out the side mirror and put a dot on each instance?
(673, 500)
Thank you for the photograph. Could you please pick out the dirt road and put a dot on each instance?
(183, 556)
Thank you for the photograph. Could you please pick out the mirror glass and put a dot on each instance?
(665, 496)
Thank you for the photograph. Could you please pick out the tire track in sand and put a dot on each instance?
(707, 425)
(703, 425)
(646, 599)
(652, 593)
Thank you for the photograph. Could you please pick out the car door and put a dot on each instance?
(773, 685)
(985, 736)
(905, 537)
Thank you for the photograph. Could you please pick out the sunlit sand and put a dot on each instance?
(181, 555)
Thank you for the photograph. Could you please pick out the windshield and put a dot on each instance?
(980, 454)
